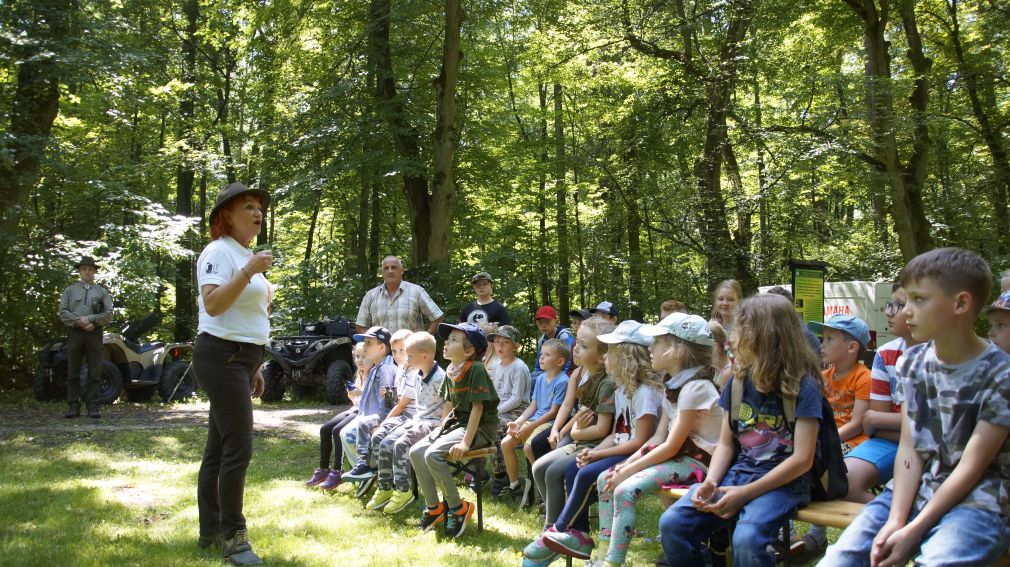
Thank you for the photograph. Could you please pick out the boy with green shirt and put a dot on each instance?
(471, 423)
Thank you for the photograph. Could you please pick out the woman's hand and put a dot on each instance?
(260, 262)
(256, 383)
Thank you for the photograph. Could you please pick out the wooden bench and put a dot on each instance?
(472, 462)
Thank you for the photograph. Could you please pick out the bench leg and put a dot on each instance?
(479, 485)
(787, 539)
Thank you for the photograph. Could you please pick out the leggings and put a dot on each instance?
(580, 483)
(618, 517)
(329, 438)
(549, 475)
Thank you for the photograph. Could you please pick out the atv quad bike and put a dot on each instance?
(321, 355)
(139, 369)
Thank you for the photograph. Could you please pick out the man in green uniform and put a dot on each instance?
(85, 308)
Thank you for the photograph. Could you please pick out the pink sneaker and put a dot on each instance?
(318, 476)
(332, 481)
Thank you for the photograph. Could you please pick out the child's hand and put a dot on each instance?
(729, 501)
(584, 458)
(892, 545)
(458, 450)
(523, 432)
(703, 495)
(553, 438)
(511, 428)
(614, 479)
(584, 418)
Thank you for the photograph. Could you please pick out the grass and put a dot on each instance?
(84, 494)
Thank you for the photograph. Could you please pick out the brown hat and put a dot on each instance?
(233, 190)
(86, 261)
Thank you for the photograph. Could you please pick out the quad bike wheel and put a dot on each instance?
(176, 373)
(111, 384)
(273, 378)
(338, 373)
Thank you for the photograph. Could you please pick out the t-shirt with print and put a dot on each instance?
(478, 314)
(429, 397)
(646, 400)
(512, 382)
(598, 393)
(382, 375)
(842, 395)
(547, 394)
(700, 395)
(473, 385)
(764, 437)
(248, 318)
(884, 375)
(406, 387)
(944, 404)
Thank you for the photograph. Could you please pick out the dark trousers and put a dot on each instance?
(329, 439)
(224, 369)
(580, 484)
(84, 344)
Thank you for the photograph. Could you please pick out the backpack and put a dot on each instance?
(828, 473)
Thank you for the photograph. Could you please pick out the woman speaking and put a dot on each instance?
(233, 328)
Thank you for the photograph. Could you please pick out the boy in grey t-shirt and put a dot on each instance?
(948, 502)
(511, 379)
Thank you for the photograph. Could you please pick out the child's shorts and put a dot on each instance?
(536, 431)
(879, 453)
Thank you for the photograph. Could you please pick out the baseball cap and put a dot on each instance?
(605, 307)
(474, 334)
(850, 324)
(481, 276)
(376, 332)
(546, 312)
(1002, 302)
(580, 313)
(691, 328)
(629, 331)
(507, 331)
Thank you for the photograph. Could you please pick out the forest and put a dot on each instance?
(579, 150)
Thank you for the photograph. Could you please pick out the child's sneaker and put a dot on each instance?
(499, 487)
(573, 543)
(364, 486)
(455, 522)
(360, 472)
(431, 518)
(332, 481)
(398, 502)
(379, 499)
(484, 478)
(537, 551)
(521, 492)
(317, 477)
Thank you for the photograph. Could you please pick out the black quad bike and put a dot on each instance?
(127, 365)
(321, 355)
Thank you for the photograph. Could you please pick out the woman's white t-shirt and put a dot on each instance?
(248, 319)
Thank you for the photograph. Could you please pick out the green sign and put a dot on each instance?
(808, 290)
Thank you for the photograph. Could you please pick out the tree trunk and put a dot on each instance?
(443, 185)
(185, 306)
(33, 110)
(561, 189)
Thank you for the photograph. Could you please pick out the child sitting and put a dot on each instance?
(847, 388)
(464, 427)
(999, 321)
(596, 392)
(550, 328)
(637, 405)
(372, 431)
(947, 503)
(758, 474)
(687, 434)
(548, 393)
(329, 434)
(393, 492)
(511, 379)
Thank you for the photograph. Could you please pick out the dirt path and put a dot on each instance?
(48, 418)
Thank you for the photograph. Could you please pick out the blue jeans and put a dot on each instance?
(682, 527)
(580, 484)
(963, 536)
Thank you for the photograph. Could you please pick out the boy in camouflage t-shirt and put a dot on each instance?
(949, 500)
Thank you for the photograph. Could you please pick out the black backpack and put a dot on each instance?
(828, 474)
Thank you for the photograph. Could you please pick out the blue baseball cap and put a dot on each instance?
(380, 333)
(605, 307)
(850, 324)
(474, 334)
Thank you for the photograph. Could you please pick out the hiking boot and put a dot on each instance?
(359, 473)
(73, 411)
(431, 518)
(318, 477)
(332, 481)
(208, 541)
(455, 522)
(572, 543)
(364, 486)
(521, 493)
(93, 412)
(239, 551)
(537, 551)
(379, 499)
(398, 501)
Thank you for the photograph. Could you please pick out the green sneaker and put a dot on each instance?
(379, 499)
(398, 502)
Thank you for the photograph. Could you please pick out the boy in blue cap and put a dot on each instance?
(471, 423)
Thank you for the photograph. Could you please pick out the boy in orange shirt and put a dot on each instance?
(847, 387)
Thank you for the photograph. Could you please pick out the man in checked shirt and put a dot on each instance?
(396, 304)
